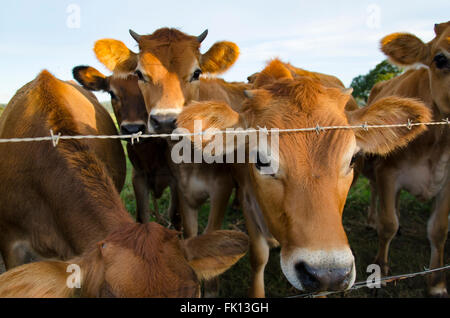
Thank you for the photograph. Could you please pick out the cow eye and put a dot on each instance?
(140, 76)
(196, 75)
(440, 60)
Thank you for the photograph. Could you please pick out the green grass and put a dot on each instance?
(2, 107)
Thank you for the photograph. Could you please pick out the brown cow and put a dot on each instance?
(301, 203)
(423, 167)
(57, 203)
(148, 157)
(169, 66)
(137, 260)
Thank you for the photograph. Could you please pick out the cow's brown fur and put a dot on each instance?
(423, 167)
(301, 205)
(58, 203)
(137, 260)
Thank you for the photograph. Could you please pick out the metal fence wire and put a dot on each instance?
(383, 280)
(55, 138)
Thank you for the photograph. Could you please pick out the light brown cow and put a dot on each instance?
(169, 65)
(58, 203)
(151, 172)
(137, 260)
(301, 203)
(423, 167)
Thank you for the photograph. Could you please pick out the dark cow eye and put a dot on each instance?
(113, 96)
(139, 75)
(196, 75)
(261, 161)
(441, 60)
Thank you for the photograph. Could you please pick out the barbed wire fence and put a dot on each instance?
(55, 138)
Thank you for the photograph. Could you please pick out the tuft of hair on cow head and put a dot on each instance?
(90, 78)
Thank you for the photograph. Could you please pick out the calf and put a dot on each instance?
(301, 202)
(151, 173)
(137, 260)
(57, 203)
(423, 167)
(169, 67)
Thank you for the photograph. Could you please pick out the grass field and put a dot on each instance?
(410, 250)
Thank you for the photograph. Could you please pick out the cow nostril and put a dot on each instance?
(154, 121)
(306, 276)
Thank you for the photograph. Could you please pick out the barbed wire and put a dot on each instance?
(363, 284)
(137, 136)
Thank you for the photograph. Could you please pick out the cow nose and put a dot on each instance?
(130, 129)
(322, 279)
(163, 123)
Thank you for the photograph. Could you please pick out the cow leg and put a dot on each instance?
(189, 217)
(387, 220)
(141, 192)
(219, 202)
(259, 256)
(218, 206)
(372, 213)
(174, 213)
(437, 235)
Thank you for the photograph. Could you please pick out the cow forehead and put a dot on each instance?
(177, 58)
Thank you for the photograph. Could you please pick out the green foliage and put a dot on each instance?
(362, 84)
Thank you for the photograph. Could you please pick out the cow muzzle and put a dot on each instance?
(315, 271)
(132, 128)
(162, 124)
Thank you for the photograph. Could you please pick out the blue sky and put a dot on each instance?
(335, 37)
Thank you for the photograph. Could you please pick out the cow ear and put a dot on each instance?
(208, 116)
(388, 111)
(116, 56)
(212, 254)
(404, 49)
(90, 78)
(219, 58)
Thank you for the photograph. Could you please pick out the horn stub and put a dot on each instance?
(135, 35)
(202, 36)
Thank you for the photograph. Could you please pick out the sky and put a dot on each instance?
(340, 38)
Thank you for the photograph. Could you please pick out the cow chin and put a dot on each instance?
(317, 270)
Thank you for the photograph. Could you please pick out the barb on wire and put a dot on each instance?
(363, 284)
(137, 136)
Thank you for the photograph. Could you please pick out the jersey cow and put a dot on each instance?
(423, 167)
(301, 202)
(169, 65)
(63, 203)
(151, 172)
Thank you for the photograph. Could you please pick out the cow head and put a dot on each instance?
(169, 65)
(148, 260)
(406, 49)
(126, 97)
(303, 200)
